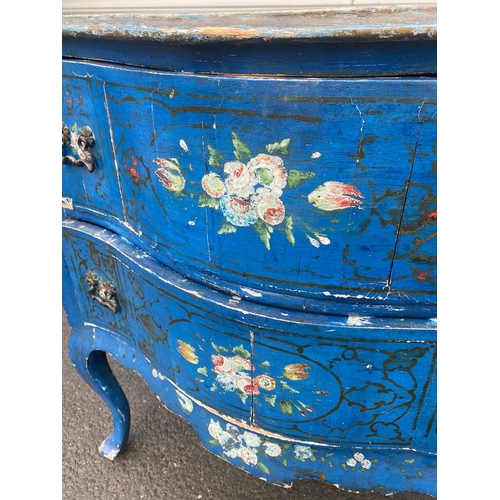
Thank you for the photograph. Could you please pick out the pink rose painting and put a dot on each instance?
(248, 191)
(250, 194)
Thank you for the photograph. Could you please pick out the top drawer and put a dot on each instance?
(318, 194)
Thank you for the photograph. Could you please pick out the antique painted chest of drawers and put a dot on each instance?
(249, 222)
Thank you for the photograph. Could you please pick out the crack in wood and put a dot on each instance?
(252, 397)
(112, 138)
(405, 200)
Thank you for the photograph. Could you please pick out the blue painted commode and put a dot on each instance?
(249, 222)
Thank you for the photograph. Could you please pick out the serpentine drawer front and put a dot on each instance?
(308, 379)
(330, 181)
(261, 248)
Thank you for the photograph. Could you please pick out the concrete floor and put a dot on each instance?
(164, 458)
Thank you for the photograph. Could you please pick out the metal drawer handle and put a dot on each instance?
(85, 143)
(103, 292)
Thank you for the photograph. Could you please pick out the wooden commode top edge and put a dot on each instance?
(396, 22)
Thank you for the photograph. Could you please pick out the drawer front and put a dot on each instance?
(96, 186)
(318, 190)
(158, 319)
(312, 377)
(368, 389)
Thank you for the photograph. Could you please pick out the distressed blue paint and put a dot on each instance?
(264, 43)
(356, 59)
(272, 240)
(93, 367)
(370, 134)
(351, 388)
(80, 106)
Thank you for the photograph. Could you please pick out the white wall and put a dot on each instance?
(110, 6)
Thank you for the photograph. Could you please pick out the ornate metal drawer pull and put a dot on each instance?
(85, 143)
(104, 293)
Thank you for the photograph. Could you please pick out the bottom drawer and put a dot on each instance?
(282, 393)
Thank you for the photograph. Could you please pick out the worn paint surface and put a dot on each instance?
(287, 389)
(377, 22)
(267, 231)
(330, 183)
(333, 42)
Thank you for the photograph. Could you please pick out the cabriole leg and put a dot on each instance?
(93, 367)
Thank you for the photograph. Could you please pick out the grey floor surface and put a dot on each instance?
(164, 458)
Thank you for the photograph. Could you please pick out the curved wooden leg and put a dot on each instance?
(93, 367)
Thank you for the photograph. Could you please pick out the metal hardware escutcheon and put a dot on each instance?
(104, 293)
(85, 143)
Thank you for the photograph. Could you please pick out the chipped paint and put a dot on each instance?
(109, 455)
(67, 203)
(264, 328)
(363, 22)
(251, 292)
(303, 335)
(218, 32)
(359, 321)
(247, 426)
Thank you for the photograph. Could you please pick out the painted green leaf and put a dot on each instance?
(176, 166)
(297, 177)
(214, 441)
(215, 158)
(270, 399)
(286, 407)
(420, 474)
(288, 228)
(284, 385)
(409, 461)
(264, 231)
(226, 228)
(285, 463)
(242, 396)
(219, 348)
(241, 351)
(343, 466)
(261, 466)
(241, 150)
(203, 371)
(279, 147)
(204, 200)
